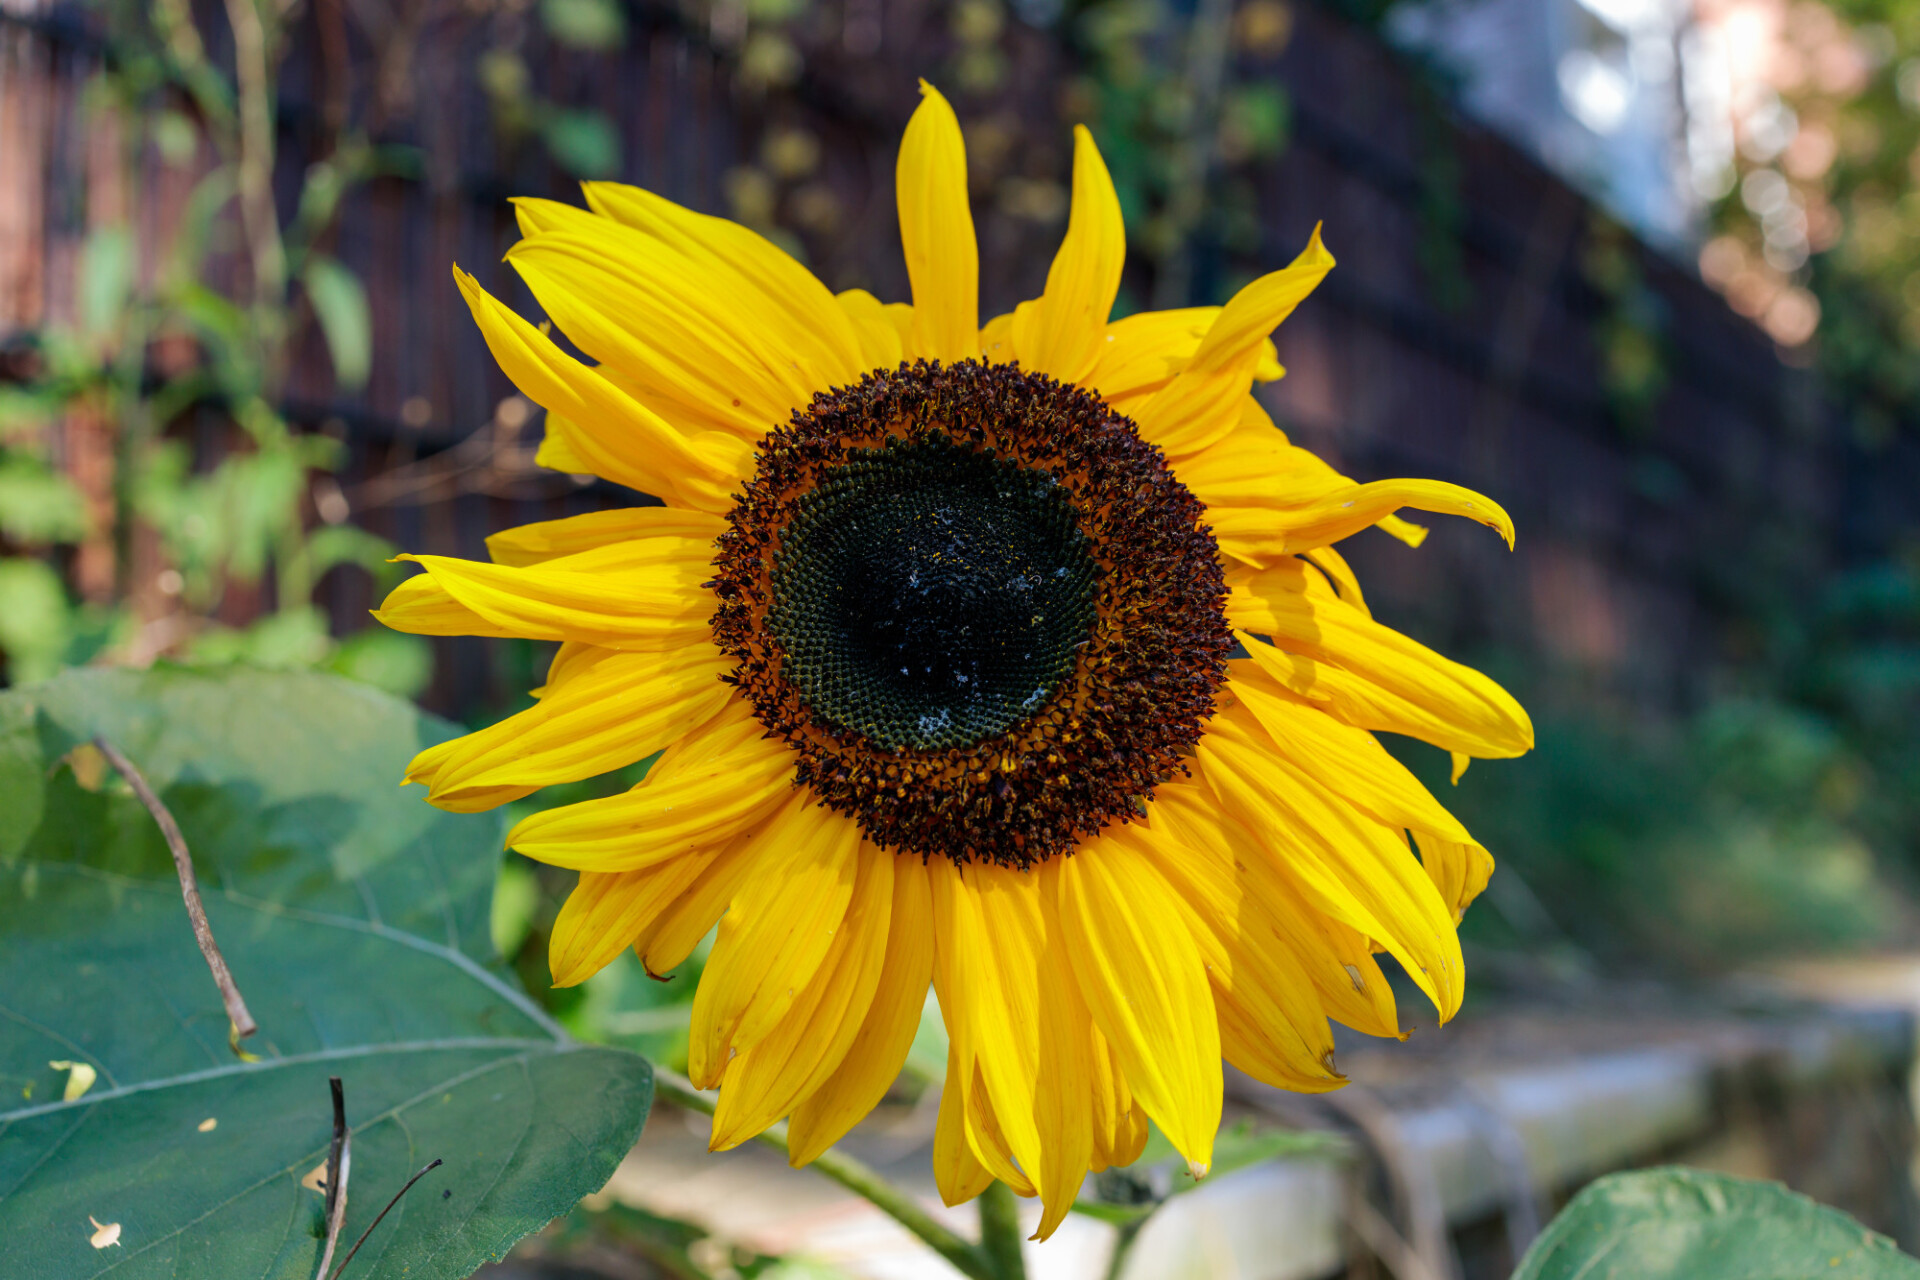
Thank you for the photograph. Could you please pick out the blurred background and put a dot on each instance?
(1645, 271)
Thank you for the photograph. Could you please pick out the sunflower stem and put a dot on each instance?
(969, 1259)
(1000, 1231)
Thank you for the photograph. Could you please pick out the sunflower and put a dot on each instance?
(1012, 659)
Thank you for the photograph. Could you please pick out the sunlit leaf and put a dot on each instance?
(1687, 1224)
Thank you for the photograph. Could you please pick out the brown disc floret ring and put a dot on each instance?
(977, 605)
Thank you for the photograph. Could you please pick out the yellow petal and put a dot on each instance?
(1063, 332)
(688, 335)
(1341, 575)
(1064, 1106)
(1367, 674)
(606, 711)
(773, 938)
(810, 1041)
(557, 452)
(1353, 868)
(996, 339)
(1346, 760)
(1143, 352)
(767, 281)
(1145, 981)
(880, 1049)
(1255, 467)
(1257, 979)
(708, 789)
(987, 932)
(1202, 404)
(423, 606)
(936, 230)
(1336, 957)
(619, 437)
(601, 597)
(957, 1172)
(607, 910)
(1262, 535)
(882, 328)
(551, 539)
(1352, 763)
(679, 927)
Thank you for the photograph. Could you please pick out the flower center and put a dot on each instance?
(929, 596)
(978, 607)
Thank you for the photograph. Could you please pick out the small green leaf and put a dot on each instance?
(35, 622)
(585, 24)
(584, 143)
(106, 279)
(1687, 1224)
(38, 504)
(355, 920)
(340, 304)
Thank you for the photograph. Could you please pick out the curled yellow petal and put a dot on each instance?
(1202, 404)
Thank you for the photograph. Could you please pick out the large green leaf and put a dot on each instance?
(1685, 1224)
(355, 919)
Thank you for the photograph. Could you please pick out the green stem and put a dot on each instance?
(1125, 1233)
(970, 1260)
(1000, 1231)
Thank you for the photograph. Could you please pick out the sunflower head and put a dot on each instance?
(977, 605)
(1012, 659)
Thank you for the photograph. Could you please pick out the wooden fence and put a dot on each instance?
(1471, 332)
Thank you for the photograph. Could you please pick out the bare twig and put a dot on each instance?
(339, 1166)
(241, 1022)
(383, 1213)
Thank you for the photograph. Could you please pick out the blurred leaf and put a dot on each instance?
(338, 544)
(105, 279)
(210, 195)
(515, 895)
(34, 619)
(585, 24)
(289, 639)
(38, 504)
(176, 136)
(355, 921)
(584, 143)
(26, 409)
(393, 661)
(1687, 1224)
(340, 304)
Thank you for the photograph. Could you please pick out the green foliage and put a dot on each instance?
(584, 143)
(1696, 845)
(1685, 1224)
(355, 922)
(585, 24)
(152, 339)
